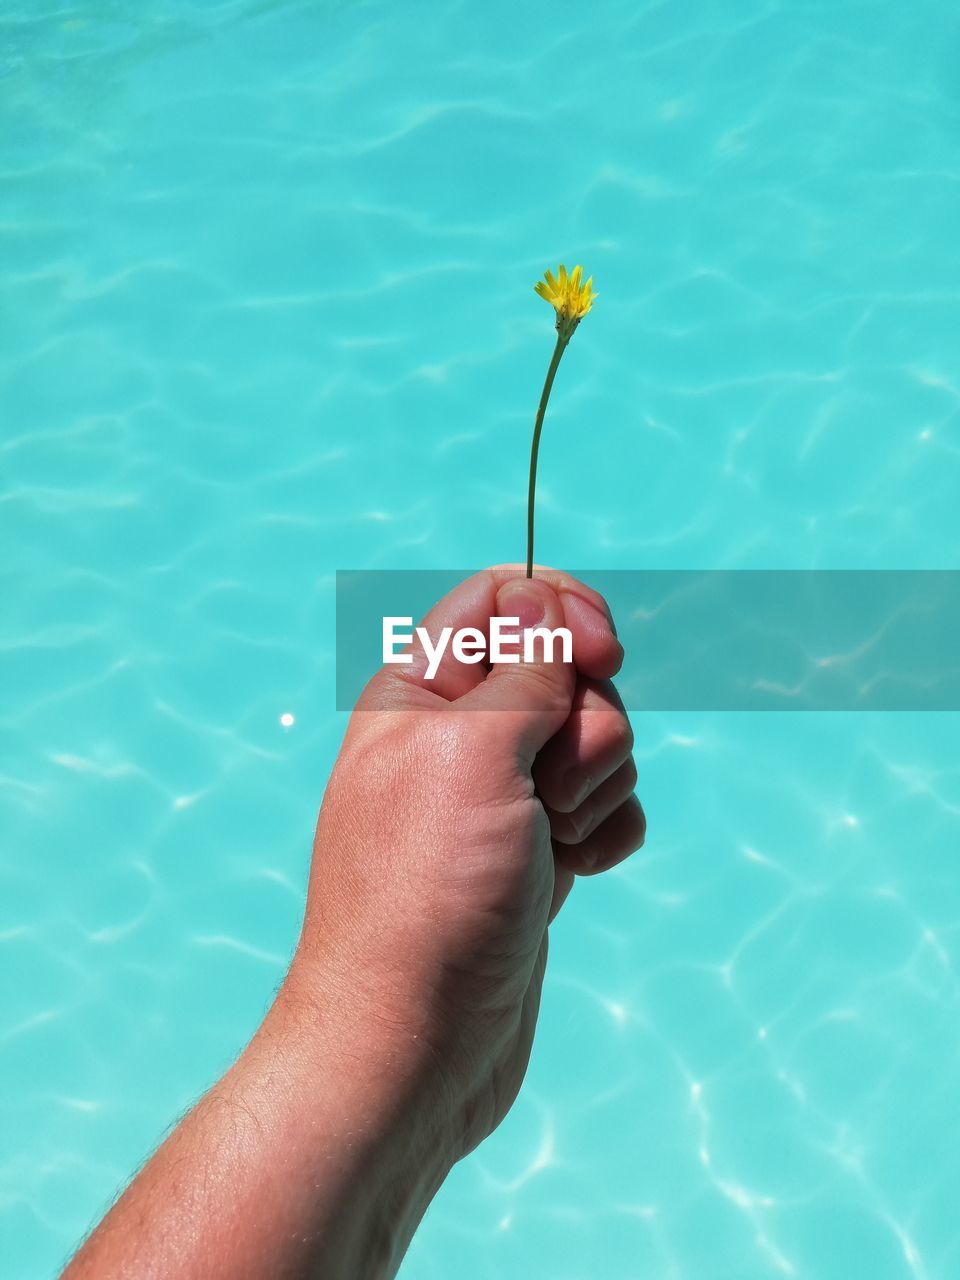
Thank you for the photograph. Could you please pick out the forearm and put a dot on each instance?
(315, 1155)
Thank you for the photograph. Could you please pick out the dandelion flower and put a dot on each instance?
(571, 300)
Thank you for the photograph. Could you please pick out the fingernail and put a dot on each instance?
(516, 600)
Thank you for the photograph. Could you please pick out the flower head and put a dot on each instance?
(571, 299)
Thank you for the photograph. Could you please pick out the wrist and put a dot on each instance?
(328, 1015)
(390, 1022)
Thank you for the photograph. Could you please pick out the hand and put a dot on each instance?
(457, 816)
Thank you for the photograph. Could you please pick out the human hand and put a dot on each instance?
(457, 816)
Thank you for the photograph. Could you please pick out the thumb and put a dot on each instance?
(535, 696)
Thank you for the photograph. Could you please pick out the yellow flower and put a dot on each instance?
(571, 299)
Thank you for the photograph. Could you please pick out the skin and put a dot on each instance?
(456, 819)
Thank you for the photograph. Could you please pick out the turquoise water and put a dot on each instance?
(268, 312)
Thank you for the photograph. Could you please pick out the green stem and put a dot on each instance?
(534, 451)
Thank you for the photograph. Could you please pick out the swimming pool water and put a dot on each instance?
(268, 312)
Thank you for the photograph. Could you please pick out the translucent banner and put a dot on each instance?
(738, 640)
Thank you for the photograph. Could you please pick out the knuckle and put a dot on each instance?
(541, 681)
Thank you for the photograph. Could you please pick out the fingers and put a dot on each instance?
(596, 649)
(591, 745)
(573, 828)
(531, 690)
(472, 603)
(619, 835)
(585, 776)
